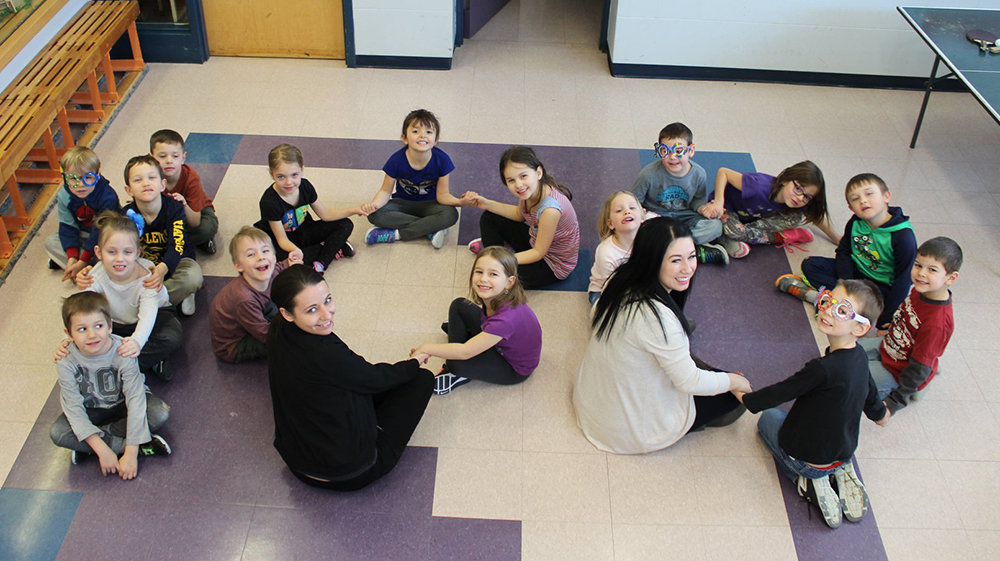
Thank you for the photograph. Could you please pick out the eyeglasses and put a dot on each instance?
(678, 150)
(89, 179)
(800, 192)
(842, 310)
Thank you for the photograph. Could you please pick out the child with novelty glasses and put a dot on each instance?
(816, 439)
(85, 194)
(676, 187)
(757, 208)
(905, 361)
(878, 244)
(493, 335)
(421, 206)
(620, 220)
(542, 229)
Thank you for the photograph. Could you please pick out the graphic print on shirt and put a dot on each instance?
(416, 189)
(85, 215)
(674, 197)
(107, 385)
(866, 253)
(899, 337)
(154, 245)
(294, 218)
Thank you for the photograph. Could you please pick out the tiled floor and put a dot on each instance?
(515, 453)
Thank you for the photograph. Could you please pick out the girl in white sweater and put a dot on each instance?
(639, 389)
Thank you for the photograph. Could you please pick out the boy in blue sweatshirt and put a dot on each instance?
(85, 194)
(878, 245)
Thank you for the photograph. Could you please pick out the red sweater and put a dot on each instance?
(189, 186)
(917, 337)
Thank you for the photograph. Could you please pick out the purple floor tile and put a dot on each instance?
(320, 152)
(211, 176)
(473, 539)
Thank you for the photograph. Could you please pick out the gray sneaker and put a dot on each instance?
(187, 305)
(437, 238)
(852, 493)
(820, 493)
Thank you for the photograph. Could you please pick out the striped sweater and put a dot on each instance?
(565, 248)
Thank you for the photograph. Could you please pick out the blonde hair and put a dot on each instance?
(603, 229)
(513, 297)
(110, 222)
(284, 154)
(80, 158)
(247, 233)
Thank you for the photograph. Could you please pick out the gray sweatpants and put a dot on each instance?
(112, 422)
(703, 230)
(200, 234)
(414, 219)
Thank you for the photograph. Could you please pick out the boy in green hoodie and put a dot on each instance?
(878, 245)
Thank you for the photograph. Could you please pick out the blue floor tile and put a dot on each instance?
(578, 280)
(207, 148)
(33, 523)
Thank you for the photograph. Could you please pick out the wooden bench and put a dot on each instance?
(61, 87)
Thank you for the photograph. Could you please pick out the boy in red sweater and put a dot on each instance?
(184, 185)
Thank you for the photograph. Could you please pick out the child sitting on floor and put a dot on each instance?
(184, 185)
(816, 439)
(243, 310)
(757, 208)
(906, 359)
(106, 408)
(493, 335)
(284, 214)
(620, 220)
(421, 206)
(85, 194)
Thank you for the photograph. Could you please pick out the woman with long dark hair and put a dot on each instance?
(639, 389)
(339, 422)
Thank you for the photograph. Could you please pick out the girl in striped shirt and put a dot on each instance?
(542, 228)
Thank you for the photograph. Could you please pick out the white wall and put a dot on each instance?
(416, 28)
(847, 36)
(35, 46)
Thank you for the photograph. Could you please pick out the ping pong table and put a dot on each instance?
(943, 29)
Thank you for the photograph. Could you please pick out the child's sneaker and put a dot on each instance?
(187, 305)
(319, 267)
(735, 249)
(853, 496)
(53, 265)
(793, 238)
(792, 284)
(445, 381)
(346, 251)
(75, 457)
(712, 253)
(209, 247)
(476, 245)
(819, 493)
(437, 238)
(379, 235)
(156, 447)
(162, 371)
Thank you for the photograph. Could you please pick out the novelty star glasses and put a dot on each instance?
(842, 310)
(678, 150)
(89, 179)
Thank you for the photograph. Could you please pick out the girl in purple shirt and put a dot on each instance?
(757, 208)
(493, 335)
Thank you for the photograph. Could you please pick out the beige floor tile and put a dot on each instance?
(985, 543)
(566, 487)
(557, 370)
(417, 263)
(12, 437)
(954, 380)
(961, 430)
(974, 487)
(738, 491)
(653, 489)
(421, 310)
(30, 338)
(566, 541)
(563, 315)
(477, 416)
(478, 484)
(974, 327)
(738, 439)
(392, 346)
(356, 304)
(951, 176)
(751, 543)
(926, 544)
(347, 186)
(903, 439)
(550, 424)
(635, 542)
(982, 366)
(891, 485)
(26, 388)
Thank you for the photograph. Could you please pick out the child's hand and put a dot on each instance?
(128, 466)
(109, 461)
(472, 198)
(739, 396)
(73, 266)
(83, 278)
(155, 279)
(295, 256)
(361, 210)
(738, 383)
(884, 421)
(420, 355)
(62, 351)
(129, 348)
(369, 208)
(179, 198)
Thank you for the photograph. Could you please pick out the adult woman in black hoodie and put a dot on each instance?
(339, 421)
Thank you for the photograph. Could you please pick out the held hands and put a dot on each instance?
(73, 267)
(738, 384)
(369, 208)
(62, 351)
(884, 421)
(83, 278)
(471, 198)
(714, 209)
(155, 279)
(419, 354)
(129, 348)
(362, 210)
(295, 256)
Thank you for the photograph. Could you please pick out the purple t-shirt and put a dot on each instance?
(521, 342)
(754, 201)
(417, 184)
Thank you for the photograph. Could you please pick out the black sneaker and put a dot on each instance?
(348, 249)
(53, 265)
(711, 253)
(156, 447)
(163, 371)
(75, 457)
(820, 493)
(209, 247)
(444, 327)
(446, 381)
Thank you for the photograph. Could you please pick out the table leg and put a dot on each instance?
(927, 96)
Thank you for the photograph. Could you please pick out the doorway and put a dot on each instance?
(264, 28)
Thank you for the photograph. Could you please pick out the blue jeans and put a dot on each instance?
(768, 426)
(703, 230)
(884, 380)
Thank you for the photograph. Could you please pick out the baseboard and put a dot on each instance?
(626, 70)
(405, 62)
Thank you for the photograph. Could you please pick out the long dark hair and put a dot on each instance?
(806, 173)
(289, 283)
(636, 282)
(526, 156)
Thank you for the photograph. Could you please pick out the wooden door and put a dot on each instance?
(275, 28)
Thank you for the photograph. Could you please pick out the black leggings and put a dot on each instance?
(397, 413)
(464, 323)
(708, 408)
(498, 230)
(164, 340)
(318, 240)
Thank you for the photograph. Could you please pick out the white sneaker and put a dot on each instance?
(819, 493)
(187, 305)
(437, 238)
(853, 496)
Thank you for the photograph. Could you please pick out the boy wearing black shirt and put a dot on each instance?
(817, 437)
